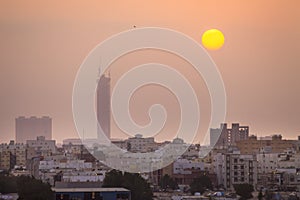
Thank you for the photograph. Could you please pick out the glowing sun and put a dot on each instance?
(213, 39)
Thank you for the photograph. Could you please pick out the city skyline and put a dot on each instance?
(43, 47)
(217, 135)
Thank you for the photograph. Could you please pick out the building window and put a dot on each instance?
(123, 196)
(292, 179)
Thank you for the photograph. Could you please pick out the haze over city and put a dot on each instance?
(43, 45)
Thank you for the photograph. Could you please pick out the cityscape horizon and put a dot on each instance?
(60, 141)
(150, 100)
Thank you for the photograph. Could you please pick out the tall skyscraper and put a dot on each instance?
(32, 127)
(103, 105)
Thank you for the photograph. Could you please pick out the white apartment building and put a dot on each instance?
(267, 162)
(43, 145)
(289, 160)
(287, 178)
(270, 162)
(185, 166)
(192, 152)
(235, 168)
(67, 164)
(84, 176)
(140, 144)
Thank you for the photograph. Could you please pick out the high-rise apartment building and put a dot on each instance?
(12, 154)
(103, 105)
(31, 128)
(234, 168)
(224, 136)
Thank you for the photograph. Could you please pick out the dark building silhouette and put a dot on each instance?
(103, 105)
(223, 136)
(31, 128)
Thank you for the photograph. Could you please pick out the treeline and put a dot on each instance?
(139, 187)
(28, 188)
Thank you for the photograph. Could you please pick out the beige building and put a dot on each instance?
(21, 153)
(41, 146)
(270, 166)
(140, 144)
(6, 160)
(12, 154)
(122, 144)
(275, 145)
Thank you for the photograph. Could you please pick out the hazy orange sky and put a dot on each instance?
(43, 44)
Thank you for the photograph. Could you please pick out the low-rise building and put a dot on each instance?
(140, 144)
(84, 176)
(276, 145)
(91, 193)
(45, 147)
(40, 147)
(12, 154)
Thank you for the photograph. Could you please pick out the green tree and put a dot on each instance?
(128, 146)
(27, 188)
(30, 188)
(168, 182)
(293, 197)
(113, 179)
(244, 190)
(139, 187)
(268, 195)
(8, 184)
(260, 195)
(201, 184)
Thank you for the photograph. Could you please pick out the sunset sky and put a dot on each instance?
(43, 44)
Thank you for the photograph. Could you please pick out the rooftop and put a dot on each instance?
(90, 190)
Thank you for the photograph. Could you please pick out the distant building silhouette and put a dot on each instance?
(273, 144)
(103, 105)
(223, 136)
(31, 128)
